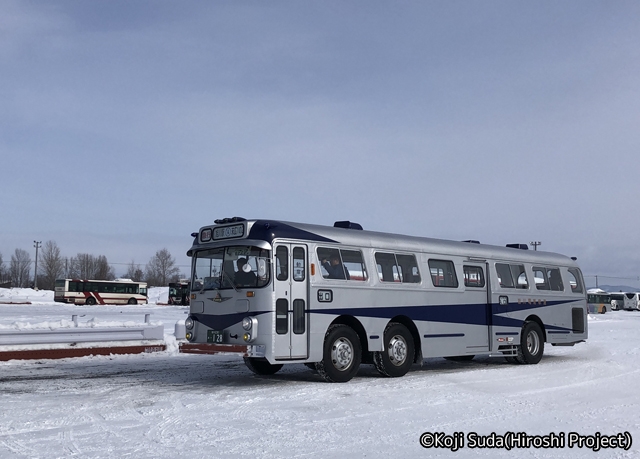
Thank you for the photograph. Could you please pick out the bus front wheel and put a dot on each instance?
(341, 355)
(261, 366)
(397, 357)
(90, 301)
(531, 344)
(133, 301)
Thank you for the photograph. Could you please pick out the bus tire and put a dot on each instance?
(531, 344)
(261, 367)
(132, 301)
(341, 356)
(90, 301)
(397, 357)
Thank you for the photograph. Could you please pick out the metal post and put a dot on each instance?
(535, 244)
(37, 245)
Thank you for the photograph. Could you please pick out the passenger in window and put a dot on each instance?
(245, 278)
(335, 269)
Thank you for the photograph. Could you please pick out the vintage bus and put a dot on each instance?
(333, 297)
(598, 301)
(90, 292)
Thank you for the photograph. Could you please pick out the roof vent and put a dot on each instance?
(348, 225)
(518, 246)
(472, 241)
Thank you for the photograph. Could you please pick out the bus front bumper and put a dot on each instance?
(208, 348)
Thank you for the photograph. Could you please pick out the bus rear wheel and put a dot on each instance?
(261, 366)
(341, 356)
(531, 344)
(397, 357)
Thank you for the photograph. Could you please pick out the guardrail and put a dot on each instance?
(62, 342)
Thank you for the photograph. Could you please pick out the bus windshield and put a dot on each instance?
(231, 267)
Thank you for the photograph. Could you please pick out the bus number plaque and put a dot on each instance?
(325, 296)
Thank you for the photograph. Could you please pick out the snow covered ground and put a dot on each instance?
(166, 405)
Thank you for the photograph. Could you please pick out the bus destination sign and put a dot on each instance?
(228, 232)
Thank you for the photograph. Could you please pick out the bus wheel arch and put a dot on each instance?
(355, 324)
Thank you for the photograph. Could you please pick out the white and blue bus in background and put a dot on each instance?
(335, 297)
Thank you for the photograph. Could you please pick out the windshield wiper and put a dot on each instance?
(224, 273)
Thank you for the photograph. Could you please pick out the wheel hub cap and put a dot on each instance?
(342, 354)
(397, 350)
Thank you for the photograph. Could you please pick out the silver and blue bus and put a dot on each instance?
(335, 297)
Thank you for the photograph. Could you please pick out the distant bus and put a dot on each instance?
(631, 300)
(179, 292)
(90, 292)
(598, 302)
(617, 301)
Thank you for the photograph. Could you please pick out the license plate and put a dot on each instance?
(214, 336)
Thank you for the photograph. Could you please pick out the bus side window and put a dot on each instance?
(408, 268)
(443, 273)
(504, 275)
(282, 263)
(574, 280)
(387, 268)
(473, 276)
(521, 276)
(555, 280)
(540, 278)
(354, 267)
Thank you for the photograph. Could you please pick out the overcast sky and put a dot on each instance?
(127, 125)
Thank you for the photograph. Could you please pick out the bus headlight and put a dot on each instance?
(250, 324)
(188, 323)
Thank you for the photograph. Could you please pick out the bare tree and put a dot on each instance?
(134, 272)
(52, 266)
(20, 268)
(102, 269)
(161, 269)
(4, 274)
(86, 266)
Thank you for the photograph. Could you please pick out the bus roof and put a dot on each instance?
(269, 230)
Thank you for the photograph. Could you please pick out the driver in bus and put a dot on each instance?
(244, 276)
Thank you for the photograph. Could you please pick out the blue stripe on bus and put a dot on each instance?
(469, 314)
(445, 335)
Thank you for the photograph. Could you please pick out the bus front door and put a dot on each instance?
(291, 291)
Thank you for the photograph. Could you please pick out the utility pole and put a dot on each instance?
(535, 244)
(37, 245)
